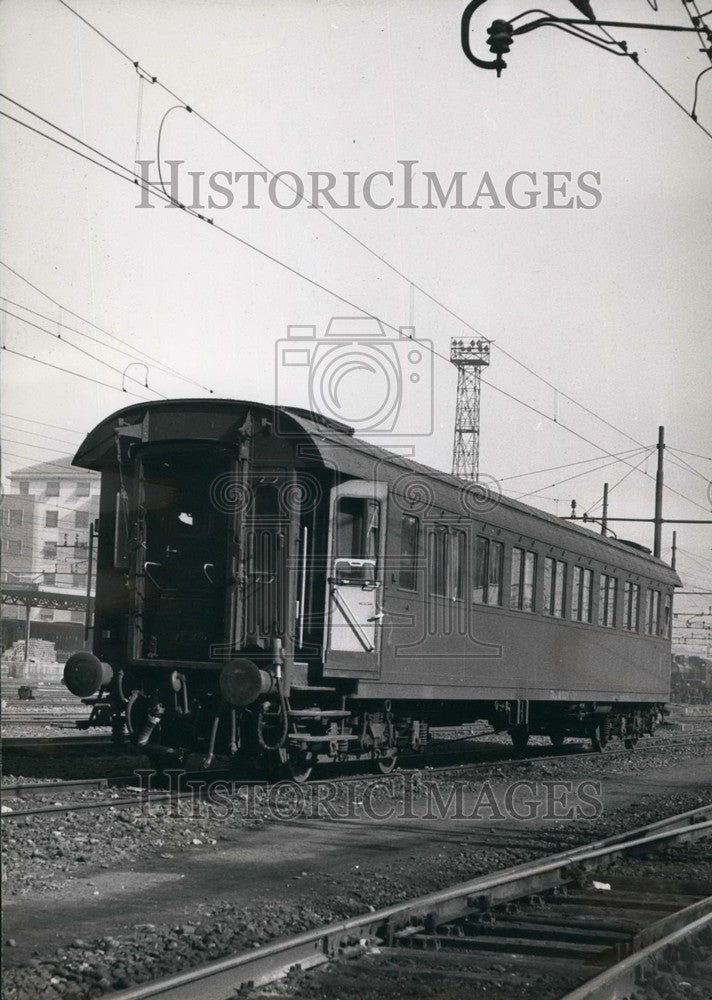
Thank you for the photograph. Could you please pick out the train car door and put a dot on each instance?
(354, 595)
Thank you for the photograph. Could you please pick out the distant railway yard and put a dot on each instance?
(210, 884)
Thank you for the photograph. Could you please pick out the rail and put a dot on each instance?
(224, 977)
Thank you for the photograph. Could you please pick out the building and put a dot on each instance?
(46, 518)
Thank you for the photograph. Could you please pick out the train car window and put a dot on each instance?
(554, 587)
(631, 606)
(356, 524)
(523, 580)
(515, 597)
(608, 590)
(487, 572)
(479, 571)
(494, 573)
(582, 597)
(653, 612)
(666, 628)
(408, 572)
(457, 565)
(437, 562)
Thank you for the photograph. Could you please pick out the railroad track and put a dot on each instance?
(48, 745)
(553, 914)
(447, 772)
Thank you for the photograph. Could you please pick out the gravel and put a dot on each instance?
(88, 968)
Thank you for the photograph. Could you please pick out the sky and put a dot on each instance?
(601, 287)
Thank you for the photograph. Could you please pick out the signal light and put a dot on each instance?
(500, 36)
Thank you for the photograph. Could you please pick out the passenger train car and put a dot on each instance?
(268, 585)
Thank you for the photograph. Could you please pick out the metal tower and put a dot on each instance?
(469, 357)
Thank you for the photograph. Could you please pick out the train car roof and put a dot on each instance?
(333, 444)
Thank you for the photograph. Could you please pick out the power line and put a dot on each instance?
(705, 458)
(567, 465)
(151, 189)
(136, 356)
(41, 447)
(88, 354)
(67, 371)
(347, 232)
(619, 481)
(40, 434)
(138, 351)
(577, 475)
(661, 86)
(42, 423)
(33, 458)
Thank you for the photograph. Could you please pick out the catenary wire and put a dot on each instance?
(151, 189)
(88, 354)
(335, 222)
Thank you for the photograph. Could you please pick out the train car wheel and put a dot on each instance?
(630, 742)
(557, 740)
(299, 765)
(388, 762)
(520, 737)
(599, 736)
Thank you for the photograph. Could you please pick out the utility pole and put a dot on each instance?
(674, 550)
(658, 521)
(469, 357)
(604, 515)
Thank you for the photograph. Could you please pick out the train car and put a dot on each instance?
(269, 586)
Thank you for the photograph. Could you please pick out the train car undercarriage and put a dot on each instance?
(248, 716)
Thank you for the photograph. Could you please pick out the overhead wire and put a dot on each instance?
(347, 232)
(577, 475)
(151, 189)
(636, 60)
(566, 465)
(68, 371)
(622, 479)
(42, 423)
(44, 436)
(133, 354)
(88, 354)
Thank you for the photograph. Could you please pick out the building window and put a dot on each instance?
(554, 587)
(49, 579)
(49, 550)
(437, 562)
(51, 519)
(487, 572)
(407, 576)
(81, 519)
(13, 546)
(523, 581)
(14, 518)
(631, 605)
(52, 488)
(83, 488)
(608, 589)
(24, 487)
(653, 612)
(457, 565)
(79, 580)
